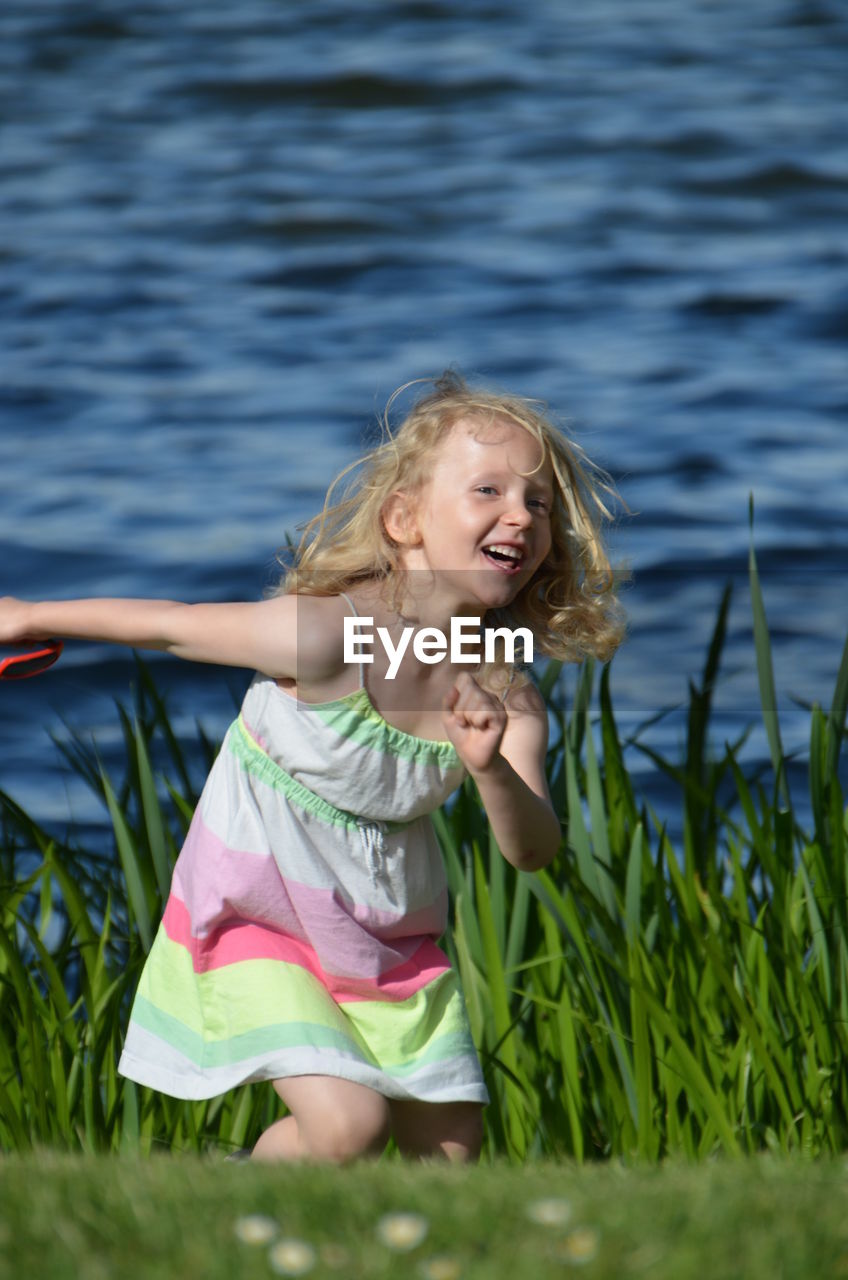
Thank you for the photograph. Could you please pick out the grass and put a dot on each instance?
(91, 1218)
(634, 1000)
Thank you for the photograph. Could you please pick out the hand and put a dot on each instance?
(15, 622)
(474, 721)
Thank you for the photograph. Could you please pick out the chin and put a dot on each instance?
(498, 594)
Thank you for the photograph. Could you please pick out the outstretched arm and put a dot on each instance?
(261, 636)
(505, 755)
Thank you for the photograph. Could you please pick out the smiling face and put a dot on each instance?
(482, 520)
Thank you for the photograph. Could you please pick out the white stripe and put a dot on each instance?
(150, 1061)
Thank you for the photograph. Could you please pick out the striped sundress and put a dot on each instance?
(299, 937)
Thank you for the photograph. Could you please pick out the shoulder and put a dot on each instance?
(312, 627)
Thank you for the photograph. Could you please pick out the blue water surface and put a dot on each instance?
(228, 232)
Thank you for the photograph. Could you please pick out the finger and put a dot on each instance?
(451, 697)
(473, 717)
(466, 693)
(474, 699)
(451, 712)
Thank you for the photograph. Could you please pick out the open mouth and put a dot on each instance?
(504, 558)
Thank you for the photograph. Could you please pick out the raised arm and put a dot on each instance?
(504, 751)
(262, 636)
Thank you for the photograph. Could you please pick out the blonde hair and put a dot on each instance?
(568, 603)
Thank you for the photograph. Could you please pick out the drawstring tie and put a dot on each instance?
(372, 833)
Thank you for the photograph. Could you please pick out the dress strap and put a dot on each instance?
(345, 596)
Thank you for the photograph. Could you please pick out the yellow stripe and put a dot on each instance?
(236, 998)
(240, 998)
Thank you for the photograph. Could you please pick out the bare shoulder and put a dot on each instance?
(310, 631)
(320, 636)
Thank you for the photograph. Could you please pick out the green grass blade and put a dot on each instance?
(765, 669)
(578, 836)
(129, 1142)
(600, 832)
(693, 1074)
(136, 896)
(818, 935)
(153, 821)
(549, 677)
(496, 980)
(818, 772)
(838, 711)
(633, 890)
(518, 921)
(647, 1137)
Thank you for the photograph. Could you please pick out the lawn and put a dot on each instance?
(92, 1217)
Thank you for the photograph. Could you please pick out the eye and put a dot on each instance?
(541, 503)
(486, 488)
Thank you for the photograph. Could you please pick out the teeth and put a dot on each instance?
(513, 552)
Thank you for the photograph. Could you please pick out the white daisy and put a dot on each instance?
(551, 1212)
(255, 1228)
(402, 1231)
(292, 1257)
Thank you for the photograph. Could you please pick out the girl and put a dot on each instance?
(298, 943)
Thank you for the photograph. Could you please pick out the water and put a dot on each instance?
(227, 233)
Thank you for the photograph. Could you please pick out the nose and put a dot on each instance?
(519, 516)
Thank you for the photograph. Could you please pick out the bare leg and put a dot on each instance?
(331, 1120)
(450, 1129)
(280, 1141)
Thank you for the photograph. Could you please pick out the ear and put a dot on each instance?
(399, 519)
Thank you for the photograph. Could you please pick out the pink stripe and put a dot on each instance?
(221, 886)
(235, 942)
(257, 738)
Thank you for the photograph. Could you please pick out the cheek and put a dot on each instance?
(545, 545)
(462, 514)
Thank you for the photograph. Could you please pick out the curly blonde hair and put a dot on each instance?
(568, 604)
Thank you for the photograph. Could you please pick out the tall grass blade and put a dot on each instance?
(136, 896)
(153, 820)
(838, 711)
(633, 887)
(765, 669)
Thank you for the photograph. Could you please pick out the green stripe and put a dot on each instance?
(356, 718)
(220, 1053)
(260, 765)
(287, 1035)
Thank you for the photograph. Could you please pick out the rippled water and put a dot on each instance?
(227, 232)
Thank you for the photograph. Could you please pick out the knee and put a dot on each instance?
(465, 1141)
(347, 1134)
(444, 1129)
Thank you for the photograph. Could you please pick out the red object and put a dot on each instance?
(21, 660)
